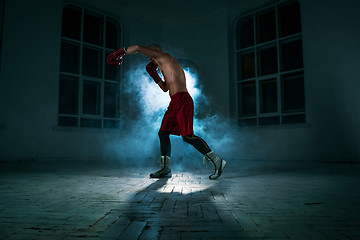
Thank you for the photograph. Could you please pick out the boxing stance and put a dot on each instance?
(178, 118)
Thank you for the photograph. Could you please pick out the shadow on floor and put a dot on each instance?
(186, 209)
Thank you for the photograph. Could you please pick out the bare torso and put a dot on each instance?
(173, 73)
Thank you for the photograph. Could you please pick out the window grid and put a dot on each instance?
(258, 78)
(102, 80)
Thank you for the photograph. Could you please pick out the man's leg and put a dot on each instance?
(198, 143)
(165, 148)
(217, 162)
(165, 145)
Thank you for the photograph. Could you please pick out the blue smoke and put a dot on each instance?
(148, 104)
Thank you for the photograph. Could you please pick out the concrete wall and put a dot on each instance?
(29, 79)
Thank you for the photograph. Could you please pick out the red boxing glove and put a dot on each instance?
(115, 58)
(151, 69)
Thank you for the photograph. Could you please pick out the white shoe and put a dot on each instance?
(218, 164)
(165, 171)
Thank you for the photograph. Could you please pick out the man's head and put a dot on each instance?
(155, 47)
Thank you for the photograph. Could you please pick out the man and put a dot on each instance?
(178, 118)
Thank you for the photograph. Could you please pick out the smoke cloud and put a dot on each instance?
(148, 103)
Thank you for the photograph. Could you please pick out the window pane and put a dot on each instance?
(71, 22)
(266, 26)
(111, 72)
(292, 119)
(92, 62)
(68, 95)
(112, 100)
(268, 93)
(247, 98)
(269, 121)
(291, 55)
(111, 123)
(93, 29)
(112, 35)
(91, 98)
(68, 121)
(245, 33)
(90, 123)
(69, 58)
(246, 68)
(293, 93)
(267, 59)
(289, 19)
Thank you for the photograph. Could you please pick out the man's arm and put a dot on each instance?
(150, 53)
(163, 86)
(151, 68)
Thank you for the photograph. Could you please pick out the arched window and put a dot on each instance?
(90, 89)
(269, 66)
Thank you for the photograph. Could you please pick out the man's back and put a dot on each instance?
(173, 73)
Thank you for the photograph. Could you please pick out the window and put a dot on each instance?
(269, 66)
(89, 91)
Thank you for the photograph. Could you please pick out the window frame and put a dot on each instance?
(258, 78)
(102, 79)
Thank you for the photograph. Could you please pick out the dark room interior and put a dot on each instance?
(275, 87)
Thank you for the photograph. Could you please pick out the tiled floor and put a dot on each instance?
(252, 200)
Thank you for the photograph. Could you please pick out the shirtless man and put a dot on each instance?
(178, 118)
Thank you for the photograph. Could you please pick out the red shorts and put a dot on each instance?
(178, 118)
